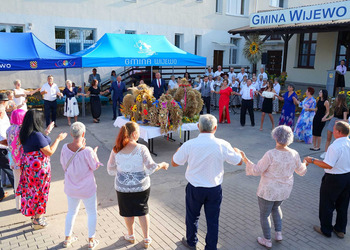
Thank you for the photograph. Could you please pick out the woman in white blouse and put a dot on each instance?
(131, 163)
(276, 169)
(21, 94)
(172, 84)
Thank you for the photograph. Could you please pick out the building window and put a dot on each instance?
(233, 51)
(277, 3)
(237, 7)
(307, 50)
(11, 28)
(343, 49)
(130, 31)
(197, 44)
(218, 6)
(72, 40)
(179, 40)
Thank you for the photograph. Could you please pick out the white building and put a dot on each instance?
(318, 34)
(196, 26)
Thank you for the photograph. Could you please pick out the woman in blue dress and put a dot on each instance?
(288, 109)
(303, 128)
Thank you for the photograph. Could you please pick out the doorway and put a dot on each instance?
(218, 59)
(274, 62)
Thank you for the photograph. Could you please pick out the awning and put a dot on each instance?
(315, 27)
(226, 44)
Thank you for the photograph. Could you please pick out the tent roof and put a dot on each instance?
(136, 50)
(24, 51)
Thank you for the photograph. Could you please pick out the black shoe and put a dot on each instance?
(55, 125)
(184, 242)
(114, 118)
(253, 125)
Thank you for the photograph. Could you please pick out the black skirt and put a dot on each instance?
(95, 104)
(133, 204)
(267, 105)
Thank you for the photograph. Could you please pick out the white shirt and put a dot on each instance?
(245, 91)
(52, 91)
(277, 88)
(235, 84)
(172, 84)
(210, 84)
(260, 83)
(341, 69)
(206, 155)
(207, 73)
(256, 85)
(240, 76)
(338, 155)
(263, 74)
(230, 74)
(4, 125)
(20, 100)
(218, 73)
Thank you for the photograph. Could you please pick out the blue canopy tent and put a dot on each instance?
(24, 51)
(136, 50)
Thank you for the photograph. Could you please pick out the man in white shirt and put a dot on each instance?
(335, 186)
(241, 74)
(262, 73)
(247, 93)
(341, 71)
(231, 74)
(209, 72)
(4, 162)
(277, 88)
(205, 155)
(218, 72)
(50, 91)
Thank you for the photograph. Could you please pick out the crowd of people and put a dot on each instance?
(25, 150)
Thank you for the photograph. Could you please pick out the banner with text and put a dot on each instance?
(307, 14)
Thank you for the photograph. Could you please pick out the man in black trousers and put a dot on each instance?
(335, 186)
(247, 93)
(205, 88)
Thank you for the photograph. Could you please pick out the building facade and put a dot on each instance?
(318, 37)
(196, 26)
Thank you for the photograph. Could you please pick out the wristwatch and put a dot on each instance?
(312, 160)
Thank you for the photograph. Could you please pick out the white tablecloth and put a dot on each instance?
(149, 132)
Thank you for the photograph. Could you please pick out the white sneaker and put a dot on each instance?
(278, 236)
(323, 155)
(264, 242)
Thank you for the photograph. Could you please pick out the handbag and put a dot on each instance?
(71, 159)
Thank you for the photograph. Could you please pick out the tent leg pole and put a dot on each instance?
(82, 91)
(151, 73)
(65, 74)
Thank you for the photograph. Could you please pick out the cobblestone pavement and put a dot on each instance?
(239, 219)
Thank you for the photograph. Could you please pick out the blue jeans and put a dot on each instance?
(211, 198)
(5, 166)
(266, 209)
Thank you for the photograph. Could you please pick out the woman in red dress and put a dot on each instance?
(224, 102)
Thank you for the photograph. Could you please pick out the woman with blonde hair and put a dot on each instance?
(131, 164)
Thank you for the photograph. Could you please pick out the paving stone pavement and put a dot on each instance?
(239, 219)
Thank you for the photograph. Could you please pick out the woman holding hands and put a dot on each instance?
(224, 102)
(268, 96)
(276, 169)
(131, 164)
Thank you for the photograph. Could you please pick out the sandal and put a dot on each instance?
(92, 244)
(5, 195)
(147, 242)
(69, 242)
(130, 238)
(40, 223)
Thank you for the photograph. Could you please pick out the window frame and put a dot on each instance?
(181, 40)
(277, 4)
(9, 26)
(233, 40)
(241, 5)
(67, 40)
(219, 6)
(308, 55)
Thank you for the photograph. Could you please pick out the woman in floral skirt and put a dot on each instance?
(34, 183)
